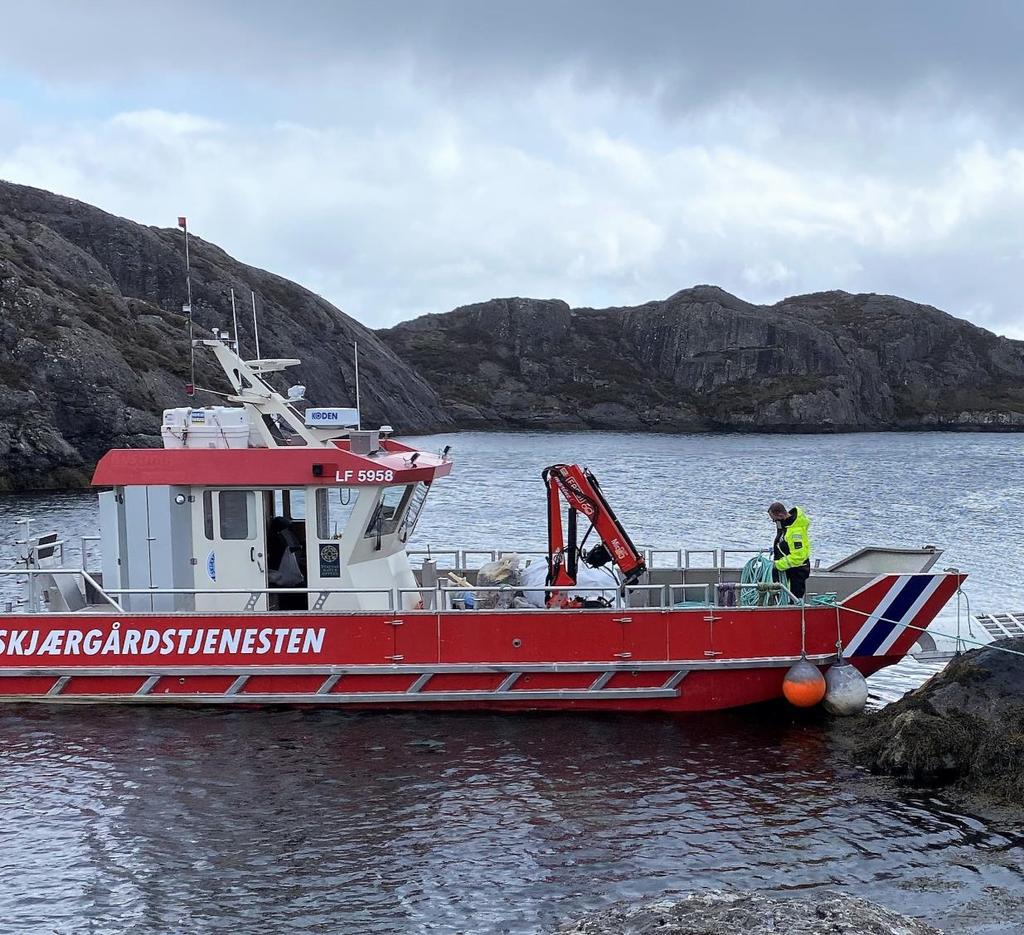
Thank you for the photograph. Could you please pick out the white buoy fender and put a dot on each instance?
(846, 690)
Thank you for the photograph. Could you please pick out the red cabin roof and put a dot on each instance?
(267, 467)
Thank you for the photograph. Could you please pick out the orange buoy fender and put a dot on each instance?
(803, 686)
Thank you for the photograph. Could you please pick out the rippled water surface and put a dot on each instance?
(138, 820)
(128, 819)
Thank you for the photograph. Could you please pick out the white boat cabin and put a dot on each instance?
(244, 501)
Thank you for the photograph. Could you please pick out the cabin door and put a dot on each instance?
(230, 551)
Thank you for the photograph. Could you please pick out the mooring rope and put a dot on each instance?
(910, 626)
(839, 635)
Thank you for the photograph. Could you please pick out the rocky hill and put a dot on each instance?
(93, 344)
(704, 360)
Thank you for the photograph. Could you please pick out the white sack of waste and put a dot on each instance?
(594, 583)
(534, 575)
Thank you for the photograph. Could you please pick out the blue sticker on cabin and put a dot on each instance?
(211, 565)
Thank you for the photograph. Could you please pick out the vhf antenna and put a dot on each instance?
(234, 318)
(190, 389)
(359, 412)
(255, 326)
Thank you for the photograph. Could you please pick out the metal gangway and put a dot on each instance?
(1003, 626)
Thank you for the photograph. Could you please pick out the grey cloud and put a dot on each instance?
(407, 157)
(687, 53)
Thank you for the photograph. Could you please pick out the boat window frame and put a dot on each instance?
(289, 503)
(248, 513)
(377, 525)
(208, 514)
(409, 521)
(322, 509)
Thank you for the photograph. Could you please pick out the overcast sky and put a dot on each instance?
(406, 157)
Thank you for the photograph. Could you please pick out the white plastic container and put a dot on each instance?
(212, 427)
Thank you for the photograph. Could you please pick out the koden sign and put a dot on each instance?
(332, 417)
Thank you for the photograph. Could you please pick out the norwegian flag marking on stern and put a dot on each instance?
(898, 609)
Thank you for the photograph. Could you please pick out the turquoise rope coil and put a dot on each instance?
(758, 571)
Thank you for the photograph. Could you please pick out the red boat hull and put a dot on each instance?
(625, 660)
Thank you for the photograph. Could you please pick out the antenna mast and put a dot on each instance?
(359, 413)
(255, 326)
(191, 388)
(234, 318)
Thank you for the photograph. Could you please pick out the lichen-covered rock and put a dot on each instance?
(729, 913)
(93, 343)
(964, 726)
(703, 359)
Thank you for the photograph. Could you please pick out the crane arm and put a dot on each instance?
(578, 487)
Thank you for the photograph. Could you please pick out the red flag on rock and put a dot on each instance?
(181, 223)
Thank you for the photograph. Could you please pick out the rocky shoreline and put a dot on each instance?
(962, 730)
(718, 912)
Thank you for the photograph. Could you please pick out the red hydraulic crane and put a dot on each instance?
(581, 491)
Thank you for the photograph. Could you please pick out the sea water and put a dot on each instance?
(134, 819)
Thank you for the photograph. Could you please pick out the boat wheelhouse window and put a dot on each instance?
(208, 513)
(412, 513)
(388, 513)
(237, 512)
(333, 509)
(290, 503)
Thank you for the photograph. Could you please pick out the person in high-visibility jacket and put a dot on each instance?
(792, 548)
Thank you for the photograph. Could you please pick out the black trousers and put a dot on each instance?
(797, 579)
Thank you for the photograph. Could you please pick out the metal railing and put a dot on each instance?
(704, 589)
(441, 598)
(461, 557)
(725, 553)
(445, 596)
(254, 594)
(457, 555)
(32, 596)
(651, 557)
(468, 559)
(714, 553)
(85, 544)
(110, 595)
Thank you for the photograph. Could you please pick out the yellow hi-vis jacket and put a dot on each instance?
(797, 536)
